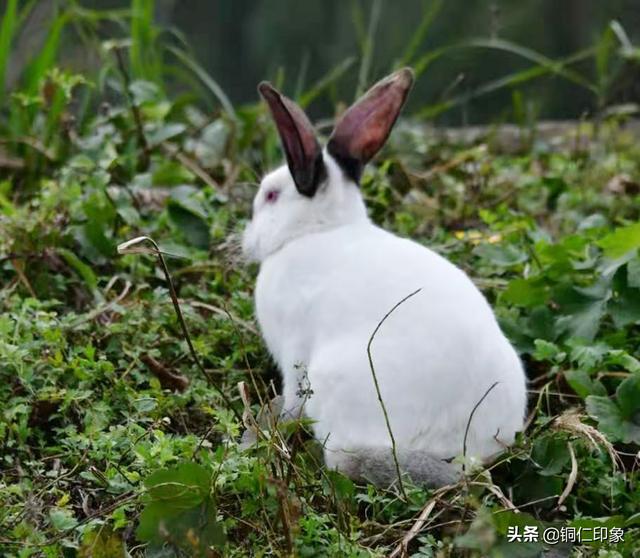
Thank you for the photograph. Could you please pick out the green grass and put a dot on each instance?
(111, 434)
(7, 30)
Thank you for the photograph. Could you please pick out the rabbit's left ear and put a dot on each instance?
(302, 150)
(366, 125)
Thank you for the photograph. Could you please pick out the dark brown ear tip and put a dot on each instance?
(266, 89)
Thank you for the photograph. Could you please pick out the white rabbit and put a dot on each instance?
(327, 277)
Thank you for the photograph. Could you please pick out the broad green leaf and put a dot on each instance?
(541, 323)
(102, 543)
(633, 273)
(62, 519)
(547, 351)
(625, 309)
(164, 133)
(189, 215)
(186, 197)
(501, 255)
(171, 173)
(194, 228)
(195, 529)
(186, 485)
(342, 486)
(583, 384)
(584, 321)
(624, 306)
(628, 398)
(526, 292)
(534, 486)
(624, 359)
(151, 520)
(588, 355)
(550, 454)
(611, 419)
(582, 309)
(179, 508)
(144, 92)
(621, 241)
(145, 404)
(210, 148)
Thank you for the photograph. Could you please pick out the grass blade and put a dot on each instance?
(143, 55)
(431, 10)
(604, 62)
(510, 80)
(621, 34)
(553, 66)
(204, 76)
(326, 81)
(82, 269)
(302, 74)
(543, 66)
(48, 54)
(367, 47)
(420, 65)
(7, 31)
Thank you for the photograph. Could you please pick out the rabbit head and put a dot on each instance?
(317, 189)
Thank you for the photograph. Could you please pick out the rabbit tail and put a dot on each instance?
(377, 465)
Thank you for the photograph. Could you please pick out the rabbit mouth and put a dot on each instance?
(255, 247)
(250, 245)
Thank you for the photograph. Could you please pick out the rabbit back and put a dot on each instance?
(319, 300)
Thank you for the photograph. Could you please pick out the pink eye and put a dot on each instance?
(271, 196)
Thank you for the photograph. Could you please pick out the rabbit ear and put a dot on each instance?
(365, 126)
(303, 152)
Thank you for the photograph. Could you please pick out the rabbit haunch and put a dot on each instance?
(327, 277)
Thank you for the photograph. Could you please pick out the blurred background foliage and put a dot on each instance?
(241, 42)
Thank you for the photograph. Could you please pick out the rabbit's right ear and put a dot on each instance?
(301, 148)
(366, 125)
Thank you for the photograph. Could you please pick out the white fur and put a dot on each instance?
(327, 277)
